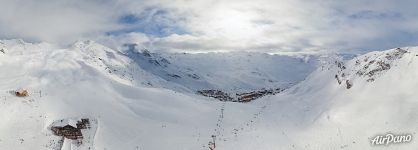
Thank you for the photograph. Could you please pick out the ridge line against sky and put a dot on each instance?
(216, 25)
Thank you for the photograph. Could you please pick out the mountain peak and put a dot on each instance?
(369, 66)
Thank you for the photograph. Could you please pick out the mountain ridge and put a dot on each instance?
(316, 113)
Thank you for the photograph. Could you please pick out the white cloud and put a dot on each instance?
(292, 25)
(118, 41)
(55, 20)
(217, 25)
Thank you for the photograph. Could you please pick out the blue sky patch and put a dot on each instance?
(154, 22)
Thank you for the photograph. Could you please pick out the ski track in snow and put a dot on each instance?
(223, 136)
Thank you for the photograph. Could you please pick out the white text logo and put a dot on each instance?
(391, 138)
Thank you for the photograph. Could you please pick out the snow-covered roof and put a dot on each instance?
(64, 122)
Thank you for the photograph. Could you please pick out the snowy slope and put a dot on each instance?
(91, 81)
(110, 88)
(246, 70)
(62, 84)
(320, 113)
(236, 72)
(230, 72)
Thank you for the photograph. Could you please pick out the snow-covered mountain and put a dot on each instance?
(223, 71)
(223, 75)
(131, 88)
(346, 104)
(135, 99)
(230, 73)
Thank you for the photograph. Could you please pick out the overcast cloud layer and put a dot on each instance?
(217, 25)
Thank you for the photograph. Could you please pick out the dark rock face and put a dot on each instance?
(194, 76)
(380, 65)
(348, 83)
(338, 79)
(369, 67)
(174, 76)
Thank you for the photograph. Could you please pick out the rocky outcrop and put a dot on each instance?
(368, 67)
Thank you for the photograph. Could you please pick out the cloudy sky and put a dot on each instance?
(217, 25)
